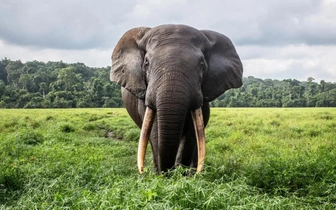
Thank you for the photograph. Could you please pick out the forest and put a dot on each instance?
(36, 84)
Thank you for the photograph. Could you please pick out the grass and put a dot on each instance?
(86, 159)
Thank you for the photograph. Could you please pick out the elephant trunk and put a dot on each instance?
(170, 118)
(172, 108)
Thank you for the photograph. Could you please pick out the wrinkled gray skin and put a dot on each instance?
(173, 69)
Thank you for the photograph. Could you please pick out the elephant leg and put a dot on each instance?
(154, 144)
(187, 152)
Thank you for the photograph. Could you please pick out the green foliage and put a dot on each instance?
(60, 85)
(11, 184)
(86, 159)
(296, 175)
(132, 135)
(274, 93)
(66, 128)
(55, 85)
(29, 137)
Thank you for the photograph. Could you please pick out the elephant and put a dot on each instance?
(168, 75)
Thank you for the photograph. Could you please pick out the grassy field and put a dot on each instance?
(86, 159)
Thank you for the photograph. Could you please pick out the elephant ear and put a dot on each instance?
(225, 69)
(127, 59)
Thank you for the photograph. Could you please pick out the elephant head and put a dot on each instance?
(169, 74)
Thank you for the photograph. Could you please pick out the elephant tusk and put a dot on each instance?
(144, 136)
(197, 117)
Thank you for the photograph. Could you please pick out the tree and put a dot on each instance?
(2, 88)
(310, 91)
(67, 78)
(43, 88)
(14, 70)
(58, 84)
(3, 71)
(25, 80)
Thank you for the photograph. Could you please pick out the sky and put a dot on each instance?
(276, 39)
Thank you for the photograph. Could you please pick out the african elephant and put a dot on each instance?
(169, 74)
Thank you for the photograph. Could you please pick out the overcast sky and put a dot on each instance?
(275, 39)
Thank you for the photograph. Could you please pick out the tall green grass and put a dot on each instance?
(86, 159)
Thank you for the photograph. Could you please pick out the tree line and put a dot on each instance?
(37, 84)
(275, 93)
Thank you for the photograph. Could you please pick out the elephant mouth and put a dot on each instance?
(198, 122)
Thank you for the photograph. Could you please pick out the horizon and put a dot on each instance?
(244, 76)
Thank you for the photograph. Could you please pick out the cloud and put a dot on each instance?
(292, 61)
(288, 22)
(276, 39)
(59, 24)
(90, 57)
(81, 24)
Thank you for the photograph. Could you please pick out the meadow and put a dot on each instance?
(257, 158)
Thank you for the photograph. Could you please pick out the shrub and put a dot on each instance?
(11, 183)
(90, 127)
(66, 128)
(29, 137)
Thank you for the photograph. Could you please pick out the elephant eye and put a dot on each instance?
(146, 63)
(202, 66)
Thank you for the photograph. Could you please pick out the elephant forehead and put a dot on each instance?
(178, 34)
